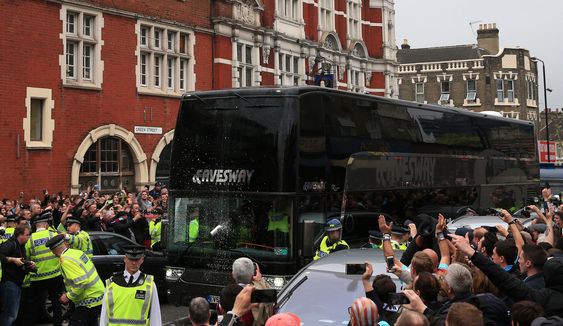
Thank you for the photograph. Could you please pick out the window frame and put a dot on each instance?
(47, 123)
(292, 75)
(354, 19)
(326, 15)
(445, 93)
(173, 45)
(417, 92)
(245, 64)
(82, 29)
(471, 94)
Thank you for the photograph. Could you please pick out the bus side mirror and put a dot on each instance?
(308, 238)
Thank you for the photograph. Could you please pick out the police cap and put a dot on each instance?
(399, 230)
(333, 225)
(134, 251)
(375, 235)
(11, 218)
(55, 241)
(44, 217)
(72, 221)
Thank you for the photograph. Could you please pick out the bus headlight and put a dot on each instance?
(174, 273)
(275, 282)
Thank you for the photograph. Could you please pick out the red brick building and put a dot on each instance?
(91, 89)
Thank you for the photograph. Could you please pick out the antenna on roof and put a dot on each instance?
(471, 26)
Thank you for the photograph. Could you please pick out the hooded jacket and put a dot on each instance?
(551, 297)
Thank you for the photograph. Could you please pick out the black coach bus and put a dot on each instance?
(257, 172)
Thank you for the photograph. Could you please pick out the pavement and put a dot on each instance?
(171, 316)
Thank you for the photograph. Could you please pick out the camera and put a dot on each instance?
(27, 267)
(397, 299)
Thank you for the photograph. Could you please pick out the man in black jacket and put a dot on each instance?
(531, 260)
(14, 268)
(551, 297)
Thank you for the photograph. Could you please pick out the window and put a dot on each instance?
(530, 89)
(82, 48)
(107, 163)
(245, 64)
(289, 69)
(144, 59)
(164, 60)
(38, 125)
(289, 9)
(354, 19)
(143, 35)
(170, 41)
(445, 92)
(510, 90)
(326, 14)
(157, 71)
(500, 90)
(471, 90)
(505, 91)
(356, 82)
(36, 130)
(71, 60)
(419, 92)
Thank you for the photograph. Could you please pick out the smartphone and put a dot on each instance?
(397, 299)
(495, 212)
(264, 296)
(390, 262)
(355, 269)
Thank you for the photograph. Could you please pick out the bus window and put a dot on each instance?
(447, 128)
(257, 227)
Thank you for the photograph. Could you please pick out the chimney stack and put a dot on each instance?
(405, 45)
(487, 37)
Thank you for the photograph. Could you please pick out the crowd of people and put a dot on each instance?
(470, 277)
(484, 276)
(45, 247)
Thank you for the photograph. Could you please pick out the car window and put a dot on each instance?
(114, 244)
(98, 247)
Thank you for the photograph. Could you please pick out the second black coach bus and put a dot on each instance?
(257, 172)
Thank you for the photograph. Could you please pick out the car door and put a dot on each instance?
(108, 253)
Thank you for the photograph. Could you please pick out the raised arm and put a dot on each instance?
(507, 218)
(442, 241)
(549, 233)
(386, 230)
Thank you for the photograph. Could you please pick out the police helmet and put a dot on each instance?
(333, 225)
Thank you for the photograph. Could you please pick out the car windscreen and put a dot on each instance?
(324, 297)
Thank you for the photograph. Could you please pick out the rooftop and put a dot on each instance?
(440, 54)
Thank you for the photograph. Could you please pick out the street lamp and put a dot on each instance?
(545, 89)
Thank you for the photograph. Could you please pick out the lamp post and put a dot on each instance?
(535, 59)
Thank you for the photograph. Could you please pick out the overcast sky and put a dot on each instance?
(534, 25)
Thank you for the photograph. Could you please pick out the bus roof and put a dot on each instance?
(300, 90)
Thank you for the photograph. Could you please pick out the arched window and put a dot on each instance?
(109, 165)
(359, 51)
(163, 167)
(331, 43)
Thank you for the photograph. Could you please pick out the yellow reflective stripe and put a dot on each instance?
(127, 321)
(40, 252)
(147, 301)
(110, 302)
(92, 282)
(45, 258)
(85, 276)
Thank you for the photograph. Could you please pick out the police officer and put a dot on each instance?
(131, 297)
(83, 285)
(11, 222)
(155, 228)
(332, 241)
(397, 236)
(78, 239)
(48, 277)
(193, 227)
